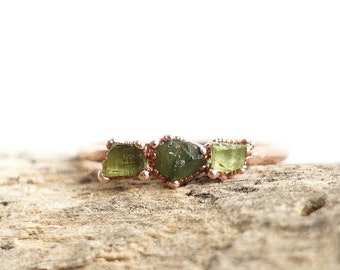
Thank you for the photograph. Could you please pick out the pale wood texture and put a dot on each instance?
(55, 215)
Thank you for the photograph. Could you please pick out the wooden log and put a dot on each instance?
(54, 214)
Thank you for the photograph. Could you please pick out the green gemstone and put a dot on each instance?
(124, 160)
(176, 159)
(226, 157)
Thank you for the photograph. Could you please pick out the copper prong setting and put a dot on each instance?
(140, 145)
(144, 175)
(213, 174)
(102, 178)
(109, 143)
(154, 143)
(173, 185)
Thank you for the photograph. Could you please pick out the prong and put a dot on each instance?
(213, 174)
(154, 143)
(109, 143)
(250, 148)
(203, 151)
(173, 185)
(102, 178)
(243, 169)
(224, 176)
(139, 145)
(144, 175)
(167, 137)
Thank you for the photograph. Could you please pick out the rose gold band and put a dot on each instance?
(95, 152)
(265, 154)
(262, 154)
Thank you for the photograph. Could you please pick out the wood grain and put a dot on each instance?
(55, 215)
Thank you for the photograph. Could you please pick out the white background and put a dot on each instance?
(75, 72)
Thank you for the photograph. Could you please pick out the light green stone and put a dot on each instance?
(124, 160)
(176, 159)
(226, 157)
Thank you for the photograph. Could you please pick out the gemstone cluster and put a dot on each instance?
(175, 161)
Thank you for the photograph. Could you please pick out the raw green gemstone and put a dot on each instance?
(176, 159)
(124, 160)
(226, 157)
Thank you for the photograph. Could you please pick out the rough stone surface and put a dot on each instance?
(124, 160)
(227, 157)
(177, 159)
(55, 215)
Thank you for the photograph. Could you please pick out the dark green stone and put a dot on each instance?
(124, 160)
(227, 157)
(176, 159)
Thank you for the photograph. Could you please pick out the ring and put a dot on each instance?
(176, 161)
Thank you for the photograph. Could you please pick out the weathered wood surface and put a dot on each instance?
(55, 215)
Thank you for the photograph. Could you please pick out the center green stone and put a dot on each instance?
(227, 157)
(124, 160)
(176, 159)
